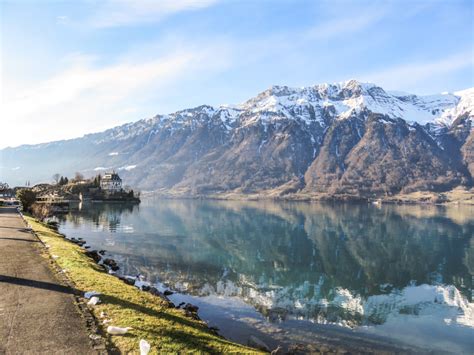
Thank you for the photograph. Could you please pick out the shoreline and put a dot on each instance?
(150, 315)
(457, 196)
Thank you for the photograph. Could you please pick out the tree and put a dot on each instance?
(56, 178)
(41, 211)
(27, 197)
(97, 179)
(63, 181)
(78, 176)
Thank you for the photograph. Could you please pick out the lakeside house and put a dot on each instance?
(111, 182)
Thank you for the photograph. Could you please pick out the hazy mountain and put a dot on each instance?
(346, 138)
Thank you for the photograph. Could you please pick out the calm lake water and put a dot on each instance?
(382, 277)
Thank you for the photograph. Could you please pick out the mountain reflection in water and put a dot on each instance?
(347, 264)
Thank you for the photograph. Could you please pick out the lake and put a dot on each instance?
(386, 277)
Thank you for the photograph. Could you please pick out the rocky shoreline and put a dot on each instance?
(111, 266)
(130, 303)
(190, 310)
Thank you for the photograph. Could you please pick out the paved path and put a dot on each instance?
(37, 313)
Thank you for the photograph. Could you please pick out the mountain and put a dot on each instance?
(350, 139)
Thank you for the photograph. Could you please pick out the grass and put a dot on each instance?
(168, 330)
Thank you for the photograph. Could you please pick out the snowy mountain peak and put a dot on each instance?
(346, 98)
(318, 104)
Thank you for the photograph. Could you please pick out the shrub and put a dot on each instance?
(27, 198)
(41, 210)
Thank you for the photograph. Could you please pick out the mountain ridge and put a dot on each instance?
(345, 138)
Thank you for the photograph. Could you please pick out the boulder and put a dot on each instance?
(111, 263)
(94, 255)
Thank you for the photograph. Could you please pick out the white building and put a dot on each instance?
(111, 182)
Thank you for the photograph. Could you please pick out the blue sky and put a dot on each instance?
(71, 67)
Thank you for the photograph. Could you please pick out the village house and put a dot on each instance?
(111, 182)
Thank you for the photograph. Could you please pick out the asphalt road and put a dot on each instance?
(37, 312)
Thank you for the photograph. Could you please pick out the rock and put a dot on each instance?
(168, 293)
(79, 241)
(112, 264)
(146, 288)
(214, 330)
(256, 343)
(191, 308)
(129, 281)
(102, 252)
(154, 291)
(94, 255)
(191, 315)
(53, 225)
(181, 304)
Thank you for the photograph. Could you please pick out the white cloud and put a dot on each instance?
(128, 167)
(410, 74)
(112, 83)
(86, 98)
(113, 13)
(340, 25)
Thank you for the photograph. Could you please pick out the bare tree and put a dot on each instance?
(56, 178)
(42, 210)
(78, 176)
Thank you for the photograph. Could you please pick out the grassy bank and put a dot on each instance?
(168, 330)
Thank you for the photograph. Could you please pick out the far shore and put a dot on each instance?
(457, 196)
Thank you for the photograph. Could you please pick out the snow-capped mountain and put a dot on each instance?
(344, 99)
(347, 138)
